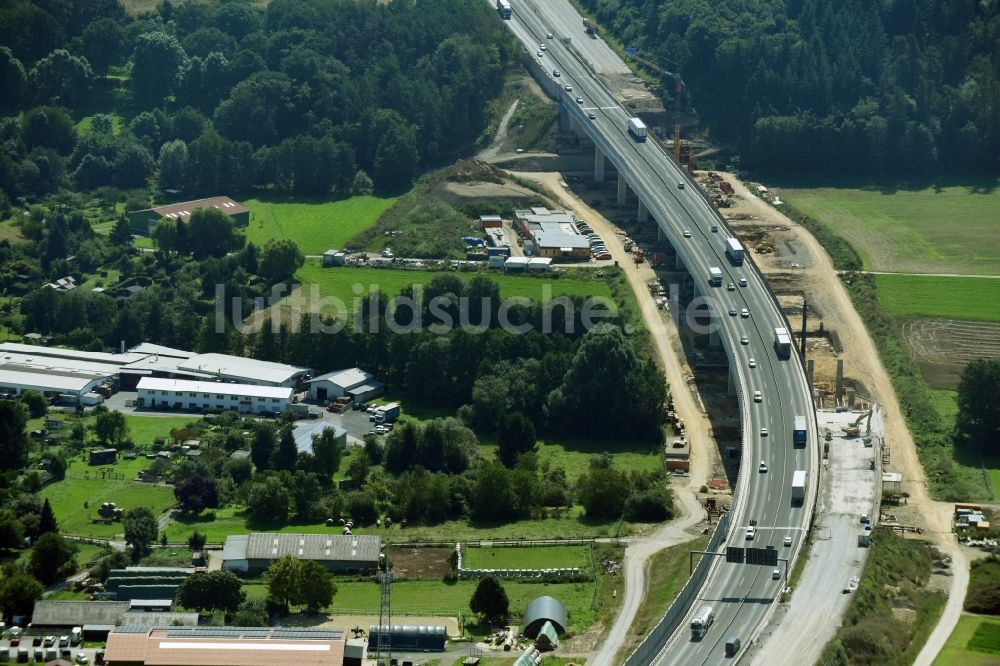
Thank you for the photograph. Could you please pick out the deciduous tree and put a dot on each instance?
(111, 427)
(52, 558)
(141, 530)
(196, 493)
(158, 66)
(279, 259)
(211, 590)
(977, 424)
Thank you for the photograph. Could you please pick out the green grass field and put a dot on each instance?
(535, 557)
(420, 597)
(220, 523)
(340, 282)
(953, 297)
(947, 230)
(144, 429)
(575, 456)
(974, 642)
(83, 484)
(315, 226)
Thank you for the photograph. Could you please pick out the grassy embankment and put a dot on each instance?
(892, 612)
(666, 573)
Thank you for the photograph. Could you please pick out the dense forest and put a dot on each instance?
(887, 88)
(305, 96)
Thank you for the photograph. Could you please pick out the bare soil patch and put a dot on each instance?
(420, 563)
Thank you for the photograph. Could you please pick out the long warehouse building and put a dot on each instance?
(224, 646)
(180, 394)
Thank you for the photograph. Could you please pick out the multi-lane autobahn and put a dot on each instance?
(742, 595)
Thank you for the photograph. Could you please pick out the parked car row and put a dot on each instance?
(598, 250)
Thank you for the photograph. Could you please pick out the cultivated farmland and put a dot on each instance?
(953, 297)
(314, 226)
(933, 230)
(944, 346)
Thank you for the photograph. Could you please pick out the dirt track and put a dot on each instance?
(703, 451)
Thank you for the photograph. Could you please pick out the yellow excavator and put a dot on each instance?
(855, 430)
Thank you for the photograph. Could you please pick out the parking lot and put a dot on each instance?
(26, 652)
(355, 422)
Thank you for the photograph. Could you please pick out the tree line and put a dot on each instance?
(304, 96)
(894, 88)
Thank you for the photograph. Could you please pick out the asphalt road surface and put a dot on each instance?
(742, 595)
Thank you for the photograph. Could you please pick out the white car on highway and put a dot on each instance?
(752, 363)
(751, 533)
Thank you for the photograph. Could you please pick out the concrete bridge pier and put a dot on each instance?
(731, 390)
(622, 189)
(642, 215)
(565, 121)
(714, 339)
(598, 165)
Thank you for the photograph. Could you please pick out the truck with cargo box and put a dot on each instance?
(800, 434)
(715, 276)
(637, 129)
(799, 480)
(782, 343)
(734, 251)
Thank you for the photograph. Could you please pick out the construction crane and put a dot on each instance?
(678, 89)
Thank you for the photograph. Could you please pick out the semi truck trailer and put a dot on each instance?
(734, 251)
(800, 435)
(799, 486)
(637, 129)
(782, 343)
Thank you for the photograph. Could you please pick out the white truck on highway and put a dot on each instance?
(799, 481)
(702, 621)
(715, 276)
(637, 129)
(782, 342)
(734, 251)
(503, 8)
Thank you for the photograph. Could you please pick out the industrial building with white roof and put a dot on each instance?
(253, 553)
(551, 234)
(173, 376)
(162, 393)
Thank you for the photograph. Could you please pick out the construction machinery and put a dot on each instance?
(591, 26)
(855, 429)
(678, 89)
